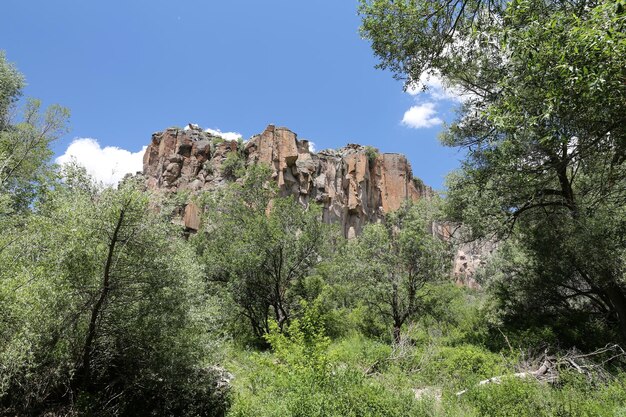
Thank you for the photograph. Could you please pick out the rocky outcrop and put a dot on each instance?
(354, 185)
(470, 255)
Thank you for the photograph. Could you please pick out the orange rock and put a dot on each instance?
(191, 217)
(351, 189)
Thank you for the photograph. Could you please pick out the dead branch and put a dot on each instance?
(551, 366)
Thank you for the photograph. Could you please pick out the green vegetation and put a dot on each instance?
(372, 327)
(391, 263)
(263, 248)
(308, 374)
(234, 166)
(108, 310)
(372, 153)
(543, 127)
(103, 308)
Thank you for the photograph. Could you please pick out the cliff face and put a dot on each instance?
(469, 255)
(355, 185)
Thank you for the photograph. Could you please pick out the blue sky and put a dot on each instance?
(129, 68)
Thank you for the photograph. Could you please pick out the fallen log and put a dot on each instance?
(539, 374)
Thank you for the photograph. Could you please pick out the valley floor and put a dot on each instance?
(435, 371)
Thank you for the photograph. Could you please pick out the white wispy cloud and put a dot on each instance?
(421, 116)
(106, 164)
(224, 135)
(432, 92)
(312, 147)
(436, 89)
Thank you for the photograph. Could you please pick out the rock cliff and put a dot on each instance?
(355, 185)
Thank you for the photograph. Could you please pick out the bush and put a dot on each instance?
(513, 397)
(526, 397)
(306, 378)
(463, 366)
(372, 154)
(208, 167)
(233, 166)
(274, 391)
(418, 183)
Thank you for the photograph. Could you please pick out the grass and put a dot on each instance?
(365, 377)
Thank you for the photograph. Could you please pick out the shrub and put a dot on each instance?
(513, 397)
(207, 167)
(306, 378)
(463, 366)
(303, 344)
(233, 166)
(418, 183)
(372, 154)
(574, 397)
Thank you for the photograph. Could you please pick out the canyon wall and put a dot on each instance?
(355, 185)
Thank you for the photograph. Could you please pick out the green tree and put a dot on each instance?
(102, 310)
(234, 166)
(24, 142)
(554, 164)
(392, 262)
(543, 127)
(261, 247)
(11, 84)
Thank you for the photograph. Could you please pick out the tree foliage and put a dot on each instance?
(11, 84)
(543, 126)
(24, 144)
(261, 247)
(102, 309)
(390, 263)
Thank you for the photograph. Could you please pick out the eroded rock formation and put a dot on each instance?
(355, 185)
(469, 255)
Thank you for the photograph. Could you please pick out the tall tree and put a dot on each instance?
(544, 126)
(392, 262)
(24, 142)
(103, 307)
(261, 247)
(11, 84)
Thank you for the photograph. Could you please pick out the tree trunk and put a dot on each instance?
(396, 332)
(83, 373)
(618, 301)
(395, 310)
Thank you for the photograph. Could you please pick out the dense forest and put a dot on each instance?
(108, 307)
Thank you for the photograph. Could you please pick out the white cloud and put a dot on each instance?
(421, 116)
(191, 126)
(433, 89)
(312, 146)
(216, 132)
(436, 89)
(108, 164)
(224, 135)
